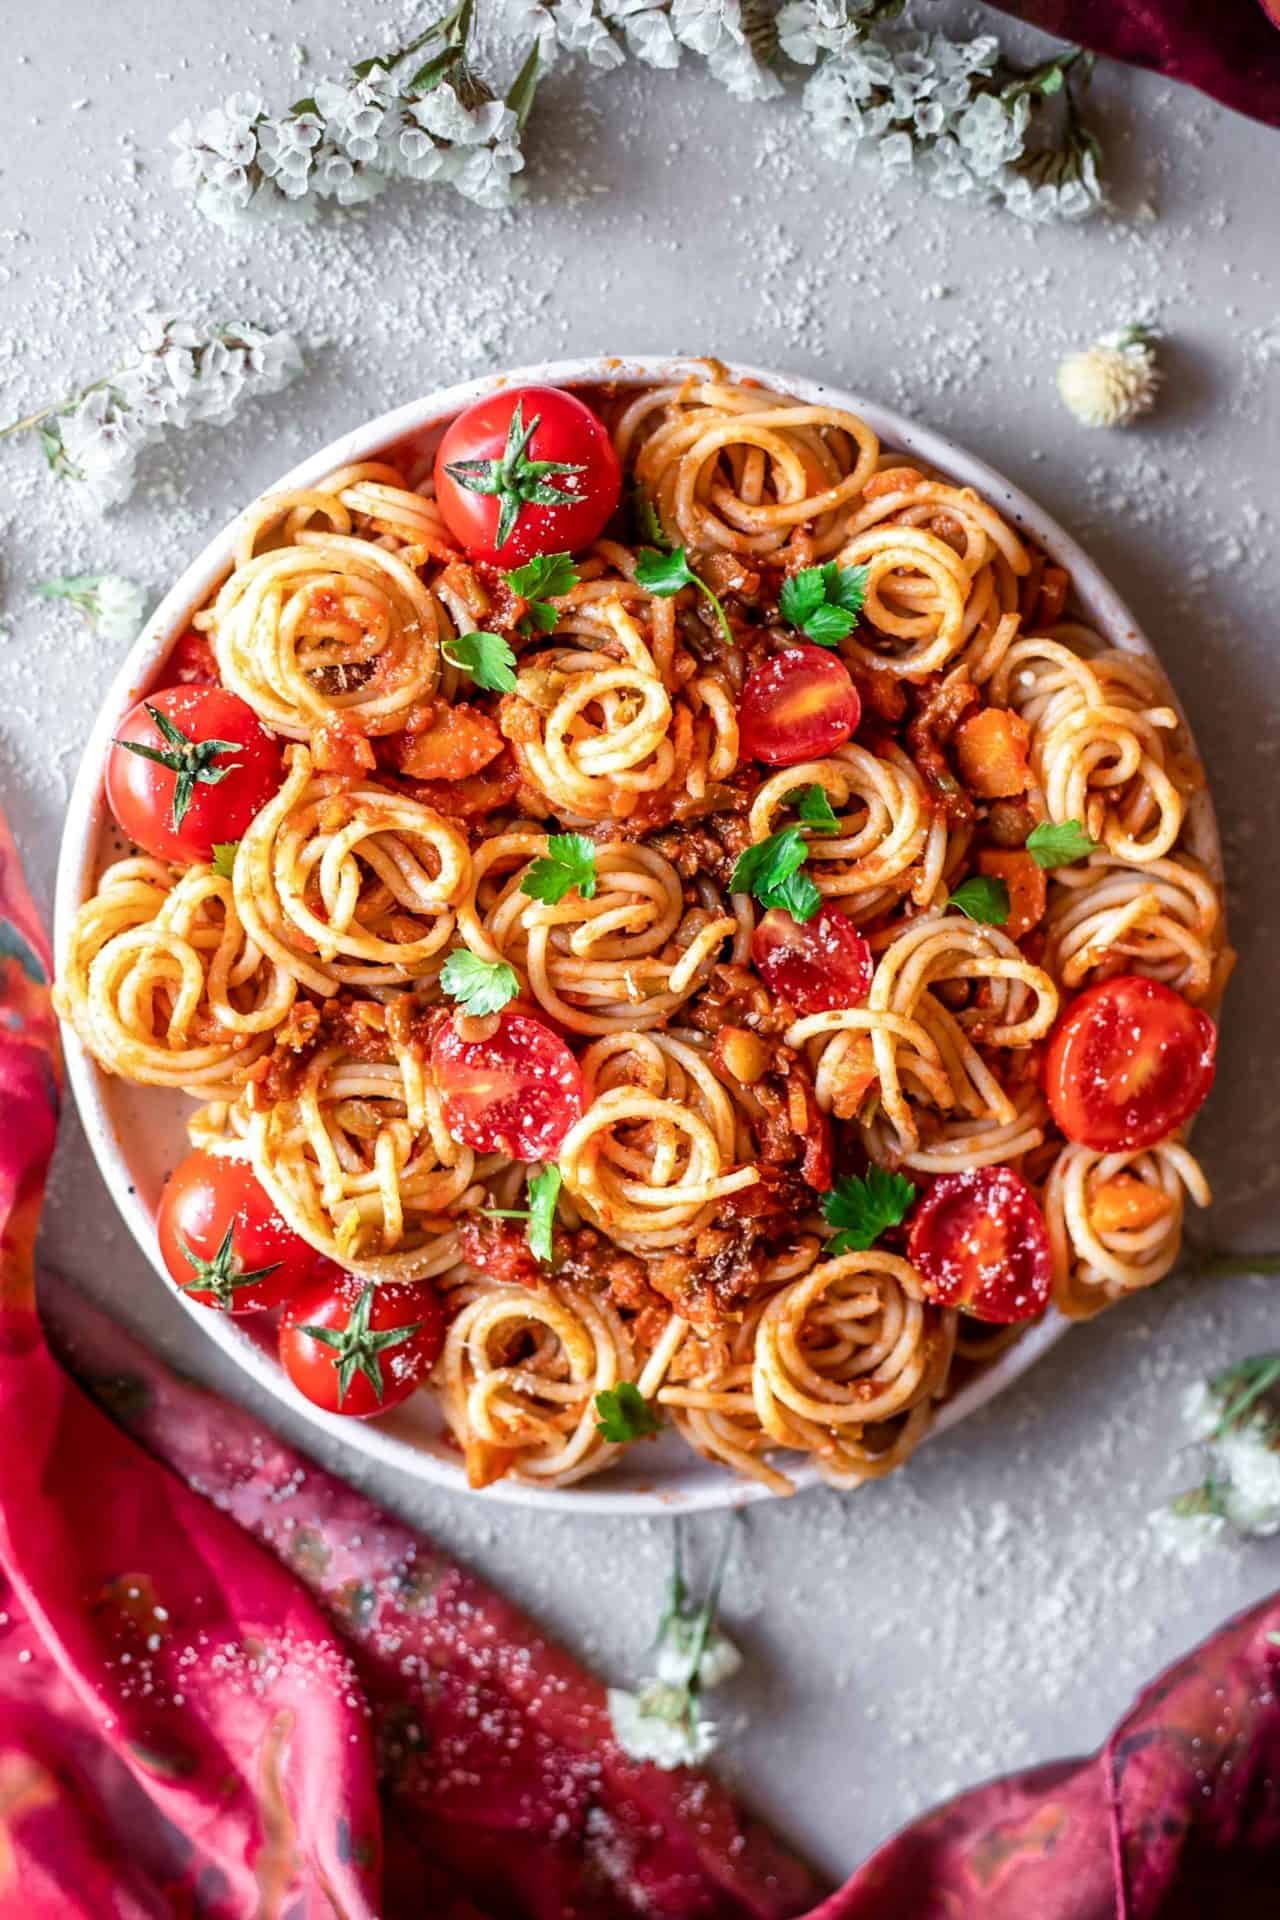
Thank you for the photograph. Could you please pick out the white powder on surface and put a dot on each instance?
(1002, 1601)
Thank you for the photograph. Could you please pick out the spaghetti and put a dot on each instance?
(695, 1052)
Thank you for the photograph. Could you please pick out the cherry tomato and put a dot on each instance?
(979, 1242)
(517, 1092)
(192, 659)
(223, 1241)
(215, 766)
(1128, 1063)
(352, 1347)
(529, 470)
(816, 964)
(797, 705)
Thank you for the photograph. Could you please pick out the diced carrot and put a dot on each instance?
(854, 1079)
(459, 742)
(1052, 602)
(340, 747)
(1125, 1204)
(991, 752)
(892, 480)
(1025, 881)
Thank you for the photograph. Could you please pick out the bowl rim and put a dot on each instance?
(389, 1441)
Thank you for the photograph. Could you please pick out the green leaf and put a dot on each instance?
(79, 588)
(522, 89)
(544, 1191)
(570, 861)
(1053, 844)
(486, 657)
(824, 602)
(646, 518)
(814, 810)
(548, 576)
(862, 1210)
(1241, 1387)
(770, 872)
(224, 857)
(983, 898)
(480, 986)
(665, 573)
(625, 1414)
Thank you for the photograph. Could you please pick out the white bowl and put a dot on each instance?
(137, 1133)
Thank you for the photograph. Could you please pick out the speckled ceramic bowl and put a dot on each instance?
(137, 1133)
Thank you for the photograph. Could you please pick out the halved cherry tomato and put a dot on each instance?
(178, 788)
(1128, 1063)
(192, 661)
(797, 705)
(352, 1347)
(223, 1241)
(529, 470)
(517, 1092)
(979, 1242)
(817, 964)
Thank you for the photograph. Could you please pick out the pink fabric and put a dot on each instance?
(1227, 48)
(231, 1688)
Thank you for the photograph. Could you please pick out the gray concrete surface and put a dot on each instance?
(1002, 1601)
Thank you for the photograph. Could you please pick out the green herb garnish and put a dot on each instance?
(625, 1414)
(570, 861)
(982, 897)
(665, 574)
(862, 1210)
(539, 581)
(770, 872)
(479, 986)
(824, 602)
(1059, 845)
(486, 657)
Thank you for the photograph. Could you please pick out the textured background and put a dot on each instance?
(1001, 1601)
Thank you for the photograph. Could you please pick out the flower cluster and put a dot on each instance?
(953, 115)
(662, 1721)
(113, 606)
(181, 375)
(1235, 1418)
(1112, 382)
(351, 138)
(950, 112)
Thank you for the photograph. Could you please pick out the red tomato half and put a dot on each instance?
(816, 964)
(797, 705)
(518, 1092)
(979, 1242)
(262, 1262)
(220, 767)
(529, 470)
(1128, 1063)
(352, 1347)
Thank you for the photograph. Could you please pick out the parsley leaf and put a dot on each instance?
(863, 1209)
(481, 986)
(224, 857)
(770, 871)
(824, 602)
(486, 657)
(815, 810)
(570, 861)
(539, 1216)
(540, 580)
(1059, 845)
(982, 897)
(625, 1414)
(544, 1191)
(646, 518)
(665, 574)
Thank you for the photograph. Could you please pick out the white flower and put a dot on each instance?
(1250, 1457)
(1187, 1536)
(581, 29)
(114, 607)
(720, 1658)
(353, 116)
(180, 375)
(658, 1725)
(648, 31)
(286, 152)
(1112, 382)
(807, 28)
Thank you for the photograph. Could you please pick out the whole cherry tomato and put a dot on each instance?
(222, 1239)
(190, 766)
(529, 470)
(517, 1092)
(797, 705)
(1128, 1063)
(816, 965)
(352, 1347)
(979, 1242)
